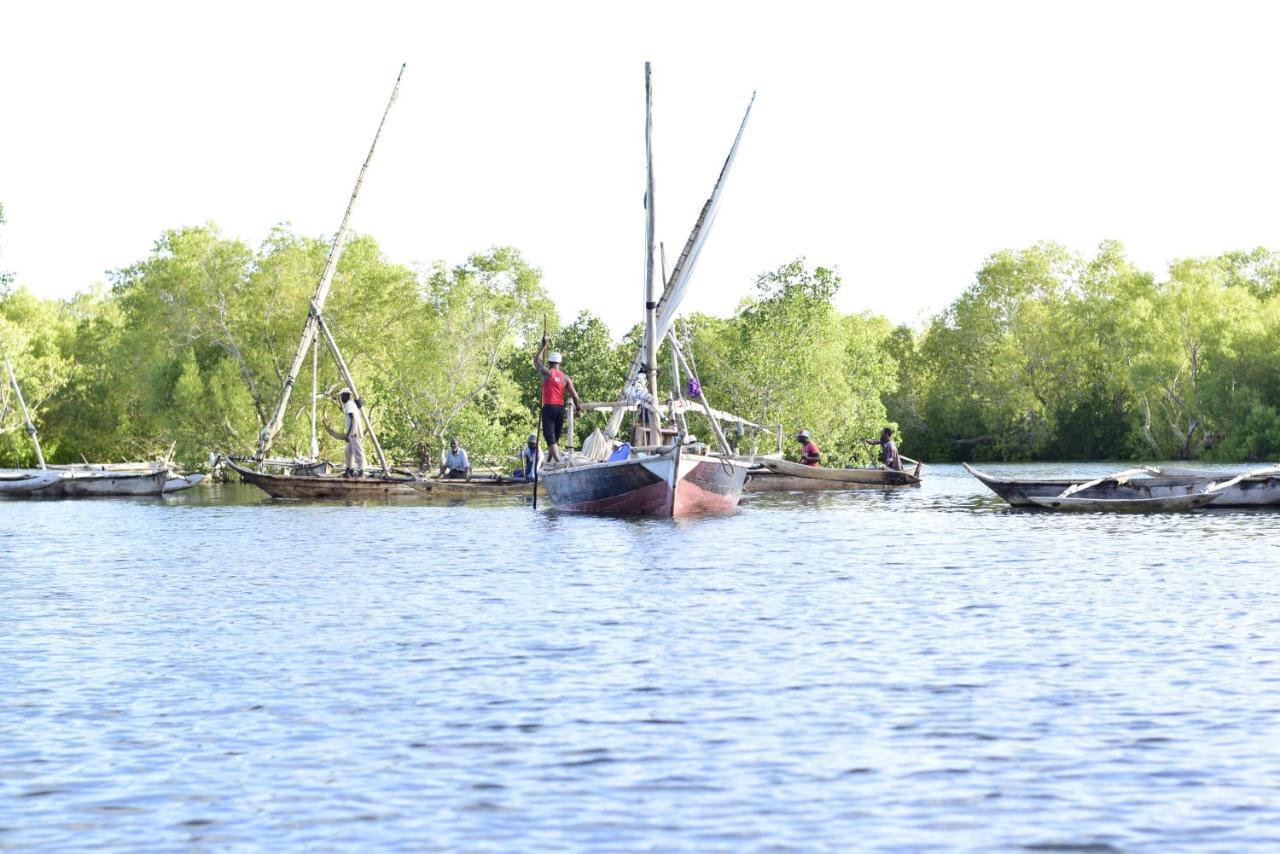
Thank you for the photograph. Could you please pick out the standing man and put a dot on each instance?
(454, 463)
(352, 433)
(554, 384)
(809, 455)
(888, 450)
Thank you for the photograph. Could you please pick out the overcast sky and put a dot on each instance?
(899, 142)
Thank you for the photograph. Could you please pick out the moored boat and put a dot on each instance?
(325, 486)
(786, 476)
(672, 475)
(26, 481)
(669, 482)
(477, 486)
(1165, 504)
(1258, 488)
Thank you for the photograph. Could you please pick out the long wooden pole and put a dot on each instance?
(26, 414)
(537, 429)
(309, 327)
(650, 290)
(351, 384)
(315, 395)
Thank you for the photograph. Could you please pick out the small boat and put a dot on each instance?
(1166, 504)
(666, 482)
(313, 478)
(1258, 488)
(786, 476)
(478, 486)
(670, 475)
(326, 486)
(175, 481)
(26, 481)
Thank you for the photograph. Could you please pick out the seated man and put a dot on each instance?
(530, 458)
(454, 463)
(809, 455)
(888, 450)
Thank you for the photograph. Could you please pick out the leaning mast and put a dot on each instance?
(313, 322)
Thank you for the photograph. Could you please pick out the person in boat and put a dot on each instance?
(810, 454)
(352, 433)
(530, 458)
(888, 450)
(454, 463)
(554, 385)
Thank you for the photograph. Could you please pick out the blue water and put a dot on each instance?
(917, 670)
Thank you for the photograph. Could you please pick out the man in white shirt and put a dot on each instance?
(454, 463)
(530, 458)
(352, 433)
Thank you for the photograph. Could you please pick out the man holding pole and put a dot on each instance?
(554, 385)
(352, 434)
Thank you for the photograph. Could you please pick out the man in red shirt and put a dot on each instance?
(554, 384)
(810, 455)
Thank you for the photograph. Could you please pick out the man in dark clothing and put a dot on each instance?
(888, 450)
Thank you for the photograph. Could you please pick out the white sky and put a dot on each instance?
(900, 142)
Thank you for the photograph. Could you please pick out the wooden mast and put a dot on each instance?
(26, 414)
(309, 328)
(650, 294)
(677, 285)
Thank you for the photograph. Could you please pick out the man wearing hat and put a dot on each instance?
(810, 455)
(554, 384)
(352, 433)
(530, 458)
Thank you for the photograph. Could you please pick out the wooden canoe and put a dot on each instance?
(371, 487)
(27, 481)
(783, 475)
(476, 487)
(1166, 504)
(1252, 489)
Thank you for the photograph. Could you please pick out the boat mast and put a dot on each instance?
(31, 427)
(315, 394)
(676, 286)
(650, 295)
(309, 328)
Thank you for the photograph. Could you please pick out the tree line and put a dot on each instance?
(1047, 355)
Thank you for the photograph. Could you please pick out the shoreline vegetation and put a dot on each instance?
(1045, 356)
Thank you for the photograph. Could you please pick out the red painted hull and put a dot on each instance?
(649, 486)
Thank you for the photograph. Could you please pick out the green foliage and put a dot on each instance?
(1046, 355)
(788, 357)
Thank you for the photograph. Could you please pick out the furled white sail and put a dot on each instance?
(678, 284)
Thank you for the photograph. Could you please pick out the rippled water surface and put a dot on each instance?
(917, 670)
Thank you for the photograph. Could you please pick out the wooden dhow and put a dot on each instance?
(669, 475)
(310, 478)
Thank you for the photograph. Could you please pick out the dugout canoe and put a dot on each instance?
(327, 486)
(1166, 504)
(1259, 488)
(784, 476)
(477, 487)
(26, 481)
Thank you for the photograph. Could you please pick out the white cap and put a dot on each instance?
(343, 390)
(533, 437)
(554, 359)
(803, 434)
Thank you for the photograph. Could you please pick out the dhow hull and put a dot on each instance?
(665, 485)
